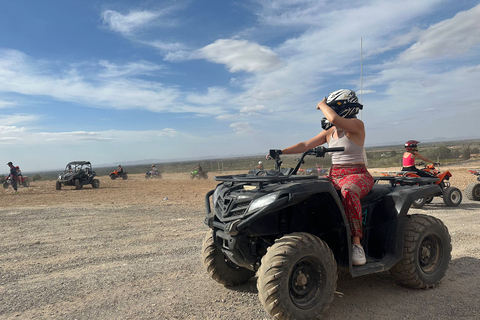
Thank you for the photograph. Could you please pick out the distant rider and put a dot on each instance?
(13, 175)
(411, 152)
(154, 170)
(119, 169)
(260, 165)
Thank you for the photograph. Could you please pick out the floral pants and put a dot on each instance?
(355, 182)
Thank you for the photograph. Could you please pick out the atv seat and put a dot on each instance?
(377, 192)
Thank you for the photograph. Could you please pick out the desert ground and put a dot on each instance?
(131, 250)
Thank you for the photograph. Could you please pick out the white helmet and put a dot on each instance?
(342, 96)
(259, 162)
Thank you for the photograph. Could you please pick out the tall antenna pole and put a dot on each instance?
(361, 76)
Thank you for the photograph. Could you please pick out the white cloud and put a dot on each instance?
(214, 95)
(240, 55)
(249, 110)
(451, 37)
(242, 128)
(129, 69)
(6, 104)
(129, 23)
(8, 120)
(98, 88)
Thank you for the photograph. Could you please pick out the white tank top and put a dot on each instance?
(353, 153)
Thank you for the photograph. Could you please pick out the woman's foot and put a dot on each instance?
(358, 255)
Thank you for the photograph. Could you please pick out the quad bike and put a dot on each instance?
(115, 174)
(153, 175)
(292, 232)
(452, 196)
(472, 191)
(77, 174)
(198, 174)
(22, 181)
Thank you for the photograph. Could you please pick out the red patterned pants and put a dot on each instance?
(355, 182)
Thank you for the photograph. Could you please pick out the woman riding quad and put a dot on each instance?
(348, 172)
(411, 152)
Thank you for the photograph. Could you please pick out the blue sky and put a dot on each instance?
(117, 81)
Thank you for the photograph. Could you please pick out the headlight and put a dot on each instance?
(262, 202)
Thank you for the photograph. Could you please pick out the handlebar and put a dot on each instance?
(317, 152)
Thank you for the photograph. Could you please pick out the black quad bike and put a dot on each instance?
(472, 191)
(292, 232)
(77, 174)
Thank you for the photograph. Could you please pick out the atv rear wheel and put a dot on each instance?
(5, 185)
(95, 183)
(26, 183)
(297, 277)
(426, 252)
(124, 177)
(219, 268)
(473, 191)
(452, 196)
(58, 185)
(419, 203)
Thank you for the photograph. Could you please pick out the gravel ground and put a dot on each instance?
(123, 251)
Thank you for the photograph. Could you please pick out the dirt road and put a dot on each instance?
(131, 250)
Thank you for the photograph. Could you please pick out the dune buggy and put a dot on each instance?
(77, 174)
(292, 232)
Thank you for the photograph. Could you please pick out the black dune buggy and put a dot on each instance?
(77, 174)
(292, 232)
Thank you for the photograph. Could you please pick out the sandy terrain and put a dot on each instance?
(131, 250)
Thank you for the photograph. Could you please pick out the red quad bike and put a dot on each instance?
(115, 174)
(452, 196)
(472, 191)
(22, 181)
(291, 232)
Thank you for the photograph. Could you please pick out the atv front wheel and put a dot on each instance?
(219, 268)
(419, 203)
(297, 277)
(452, 196)
(473, 191)
(5, 185)
(58, 185)
(429, 200)
(113, 177)
(124, 177)
(426, 252)
(95, 183)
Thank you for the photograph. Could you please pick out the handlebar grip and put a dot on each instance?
(335, 149)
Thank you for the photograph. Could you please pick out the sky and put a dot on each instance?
(118, 81)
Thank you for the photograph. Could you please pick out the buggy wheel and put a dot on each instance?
(426, 252)
(5, 185)
(419, 203)
(297, 277)
(78, 186)
(219, 268)
(95, 183)
(429, 199)
(58, 185)
(473, 191)
(452, 196)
